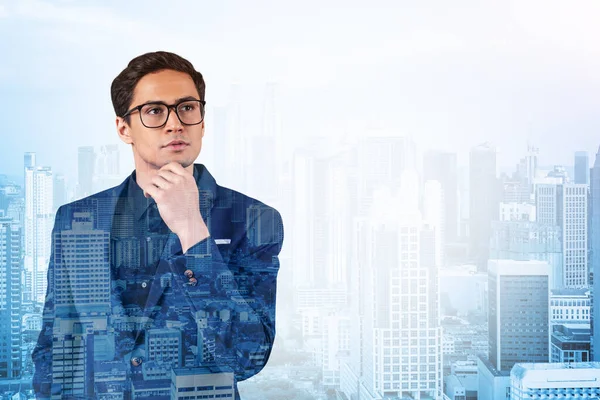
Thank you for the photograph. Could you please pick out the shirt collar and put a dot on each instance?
(139, 203)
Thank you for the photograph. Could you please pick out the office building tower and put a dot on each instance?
(519, 299)
(60, 192)
(82, 268)
(595, 253)
(434, 216)
(518, 322)
(442, 167)
(566, 205)
(484, 197)
(10, 299)
(396, 341)
(39, 220)
(86, 160)
(582, 168)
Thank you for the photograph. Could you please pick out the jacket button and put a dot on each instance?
(144, 284)
(136, 361)
(188, 273)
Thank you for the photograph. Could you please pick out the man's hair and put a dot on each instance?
(122, 87)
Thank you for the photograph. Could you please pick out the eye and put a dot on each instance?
(186, 107)
(153, 109)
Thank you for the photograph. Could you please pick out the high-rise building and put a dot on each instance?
(396, 340)
(321, 211)
(484, 197)
(566, 205)
(39, 220)
(86, 160)
(10, 299)
(595, 253)
(434, 216)
(60, 192)
(518, 322)
(575, 236)
(82, 268)
(442, 167)
(519, 298)
(582, 168)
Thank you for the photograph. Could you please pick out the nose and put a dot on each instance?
(173, 123)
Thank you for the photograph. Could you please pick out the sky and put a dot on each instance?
(450, 74)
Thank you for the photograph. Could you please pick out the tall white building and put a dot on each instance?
(434, 216)
(39, 220)
(555, 381)
(566, 205)
(575, 235)
(396, 348)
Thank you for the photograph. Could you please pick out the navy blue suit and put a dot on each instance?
(128, 315)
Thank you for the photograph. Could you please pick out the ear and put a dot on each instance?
(123, 130)
(202, 128)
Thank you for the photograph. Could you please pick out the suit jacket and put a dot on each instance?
(206, 319)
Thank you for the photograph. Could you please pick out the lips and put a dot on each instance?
(176, 143)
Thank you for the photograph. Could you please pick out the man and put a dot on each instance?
(163, 286)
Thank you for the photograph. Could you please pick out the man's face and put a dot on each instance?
(150, 150)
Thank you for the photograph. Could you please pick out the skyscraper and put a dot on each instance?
(519, 299)
(484, 197)
(565, 205)
(518, 323)
(582, 167)
(10, 299)
(396, 344)
(442, 167)
(86, 160)
(38, 227)
(595, 253)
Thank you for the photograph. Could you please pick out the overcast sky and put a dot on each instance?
(451, 74)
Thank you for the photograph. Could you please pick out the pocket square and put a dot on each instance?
(222, 241)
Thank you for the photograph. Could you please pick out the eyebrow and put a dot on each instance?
(176, 100)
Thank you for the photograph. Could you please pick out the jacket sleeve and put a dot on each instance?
(246, 283)
(42, 353)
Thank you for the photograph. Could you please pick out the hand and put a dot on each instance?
(176, 194)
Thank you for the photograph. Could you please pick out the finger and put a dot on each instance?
(169, 176)
(152, 191)
(160, 182)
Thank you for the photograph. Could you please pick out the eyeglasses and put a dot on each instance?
(156, 114)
